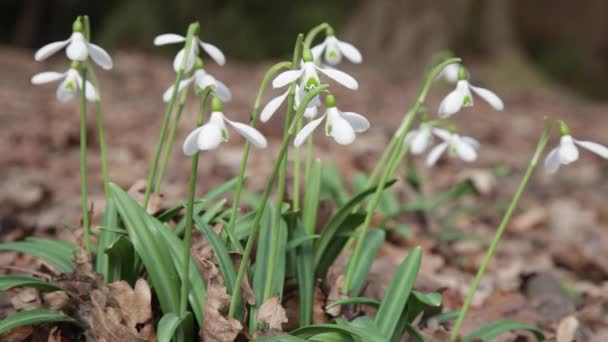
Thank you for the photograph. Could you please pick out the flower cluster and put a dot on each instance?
(78, 49)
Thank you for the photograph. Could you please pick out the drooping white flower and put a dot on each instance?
(68, 87)
(210, 135)
(464, 148)
(419, 139)
(309, 79)
(567, 152)
(171, 38)
(201, 80)
(333, 49)
(462, 96)
(274, 104)
(341, 126)
(450, 73)
(78, 49)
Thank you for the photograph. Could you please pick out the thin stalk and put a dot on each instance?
(86, 226)
(183, 307)
(170, 140)
(192, 30)
(542, 143)
(276, 222)
(239, 185)
(259, 213)
(310, 36)
(392, 161)
(308, 166)
(296, 173)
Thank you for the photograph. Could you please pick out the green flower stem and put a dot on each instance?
(276, 221)
(296, 172)
(392, 162)
(183, 307)
(312, 34)
(259, 213)
(239, 185)
(86, 225)
(501, 228)
(170, 140)
(192, 31)
(308, 167)
(102, 146)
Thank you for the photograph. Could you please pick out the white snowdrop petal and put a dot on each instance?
(49, 49)
(596, 148)
(442, 133)
(272, 106)
(214, 52)
(177, 61)
(65, 93)
(168, 38)
(46, 77)
(318, 50)
(340, 77)
(568, 152)
(465, 151)
(190, 146)
(421, 140)
(91, 92)
(357, 121)
(552, 161)
(342, 132)
(452, 103)
(222, 91)
(307, 130)
(471, 141)
(409, 137)
(491, 98)
(181, 86)
(450, 73)
(209, 137)
(286, 77)
(253, 135)
(100, 56)
(350, 52)
(77, 49)
(435, 153)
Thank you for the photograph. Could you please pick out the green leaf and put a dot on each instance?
(305, 276)
(367, 324)
(417, 302)
(332, 182)
(298, 241)
(335, 246)
(52, 252)
(311, 198)
(335, 223)
(331, 337)
(168, 324)
(221, 253)
(316, 329)
(31, 317)
(151, 247)
(9, 281)
(398, 292)
(372, 303)
(371, 245)
(489, 331)
(119, 231)
(105, 238)
(280, 338)
(389, 203)
(121, 261)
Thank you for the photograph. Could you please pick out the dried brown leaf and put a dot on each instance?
(56, 300)
(567, 328)
(272, 313)
(137, 192)
(18, 334)
(27, 299)
(318, 311)
(483, 180)
(216, 326)
(55, 335)
(134, 304)
(335, 293)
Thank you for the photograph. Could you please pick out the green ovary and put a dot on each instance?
(224, 135)
(328, 129)
(70, 86)
(467, 101)
(311, 83)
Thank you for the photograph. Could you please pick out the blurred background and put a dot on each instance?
(565, 40)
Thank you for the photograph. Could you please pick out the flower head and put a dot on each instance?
(464, 148)
(210, 135)
(567, 152)
(462, 96)
(333, 49)
(419, 139)
(341, 126)
(450, 73)
(78, 49)
(68, 87)
(201, 80)
(172, 38)
(308, 74)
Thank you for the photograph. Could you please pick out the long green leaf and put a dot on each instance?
(372, 303)
(371, 245)
(337, 243)
(489, 331)
(57, 257)
(151, 247)
(416, 303)
(221, 253)
(389, 203)
(121, 261)
(280, 338)
(312, 330)
(168, 324)
(332, 182)
(398, 292)
(9, 281)
(105, 239)
(31, 317)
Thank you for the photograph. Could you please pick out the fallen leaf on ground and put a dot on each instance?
(26, 299)
(272, 313)
(216, 326)
(56, 300)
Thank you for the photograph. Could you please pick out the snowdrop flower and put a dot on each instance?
(210, 135)
(419, 139)
(567, 152)
(450, 73)
(309, 79)
(333, 49)
(68, 87)
(464, 148)
(201, 80)
(172, 38)
(462, 97)
(78, 49)
(342, 126)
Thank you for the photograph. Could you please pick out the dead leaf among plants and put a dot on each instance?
(27, 299)
(137, 191)
(56, 300)
(216, 326)
(318, 310)
(18, 334)
(271, 312)
(121, 313)
(335, 293)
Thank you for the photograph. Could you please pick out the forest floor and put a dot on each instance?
(550, 270)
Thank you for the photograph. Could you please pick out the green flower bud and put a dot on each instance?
(563, 128)
(330, 101)
(217, 105)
